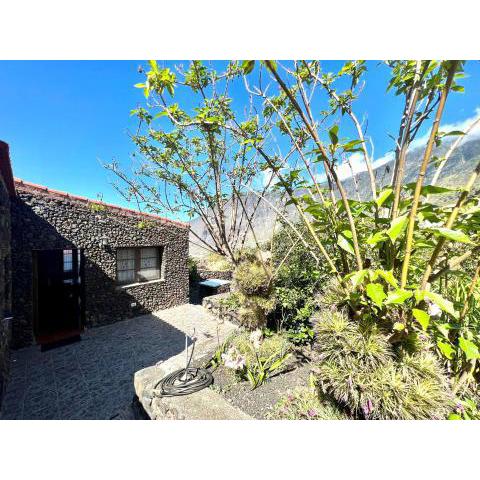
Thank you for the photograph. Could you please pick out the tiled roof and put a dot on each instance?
(27, 186)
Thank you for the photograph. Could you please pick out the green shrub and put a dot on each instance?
(276, 344)
(371, 378)
(251, 278)
(297, 281)
(255, 358)
(254, 290)
(231, 302)
(192, 268)
(215, 262)
(305, 403)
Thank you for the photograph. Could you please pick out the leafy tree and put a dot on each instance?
(189, 161)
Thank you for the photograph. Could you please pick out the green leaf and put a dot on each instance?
(352, 146)
(345, 244)
(278, 363)
(444, 329)
(376, 238)
(384, 195)
(397, 227)
(357, 277)
(454, 416)
(446, 349)
(376, 293)
(428, 189)
(453, 133)
(443, 303)
(469, 348)
(333, 134)
(423, 318)
(248, 66)
(399, 326)
(139, 85)
(455, 235)
(398, 296)
(387, 275)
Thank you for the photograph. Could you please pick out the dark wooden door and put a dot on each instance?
(59, 293)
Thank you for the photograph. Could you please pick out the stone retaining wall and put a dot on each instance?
(220, 274)
(196, 293)
(218, 309)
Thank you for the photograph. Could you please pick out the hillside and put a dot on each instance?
(455, 173)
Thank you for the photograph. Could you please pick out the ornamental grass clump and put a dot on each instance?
(305, 403)
(373, 379)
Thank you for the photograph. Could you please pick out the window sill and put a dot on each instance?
(130, 285)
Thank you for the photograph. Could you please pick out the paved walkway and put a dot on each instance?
(93, 378)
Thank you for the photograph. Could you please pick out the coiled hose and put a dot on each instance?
(185, 381)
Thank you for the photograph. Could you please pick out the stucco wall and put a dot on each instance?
(42, 220)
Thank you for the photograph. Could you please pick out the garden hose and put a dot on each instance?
(184, 381)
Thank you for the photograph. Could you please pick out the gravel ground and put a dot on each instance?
(257, 403)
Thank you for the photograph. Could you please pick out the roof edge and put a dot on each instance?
(6, 168)
(24, 185)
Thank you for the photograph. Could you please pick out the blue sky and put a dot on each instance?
(61, 118)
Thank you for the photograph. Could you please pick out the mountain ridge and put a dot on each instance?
(455, 173)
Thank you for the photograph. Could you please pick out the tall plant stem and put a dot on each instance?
(453, 264)
(452, 148)
(449, 224)
(331, 92)
(421, 175)
(327, 165)
(304, 218)
(404, 135)
(473, 284)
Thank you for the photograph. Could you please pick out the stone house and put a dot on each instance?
(69, 263)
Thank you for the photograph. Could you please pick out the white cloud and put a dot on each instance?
(268, 174)
(356, 166)
(357, 162)
(461, 125)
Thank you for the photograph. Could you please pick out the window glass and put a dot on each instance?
(149, 265)
(138, 264)
(67, 260)
(126, 265)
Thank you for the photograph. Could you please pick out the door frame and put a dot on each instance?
(36, 320)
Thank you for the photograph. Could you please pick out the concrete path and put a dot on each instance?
(93, 378)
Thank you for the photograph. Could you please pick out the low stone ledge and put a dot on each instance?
(203, 405)
(214, 304)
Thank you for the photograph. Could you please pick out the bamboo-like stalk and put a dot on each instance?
(300, 211)
(452, 148)
(453, 263)
(356, 123)
(466, 306)
(449, 224)
(421, 175)
(288, 222)
(401, 150)
(327, 165)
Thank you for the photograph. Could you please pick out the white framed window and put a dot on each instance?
(139, 264)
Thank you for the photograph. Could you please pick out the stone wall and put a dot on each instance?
(5, 270)
(43, 219)
(197, 293)
(215, 305)
(220, 274)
